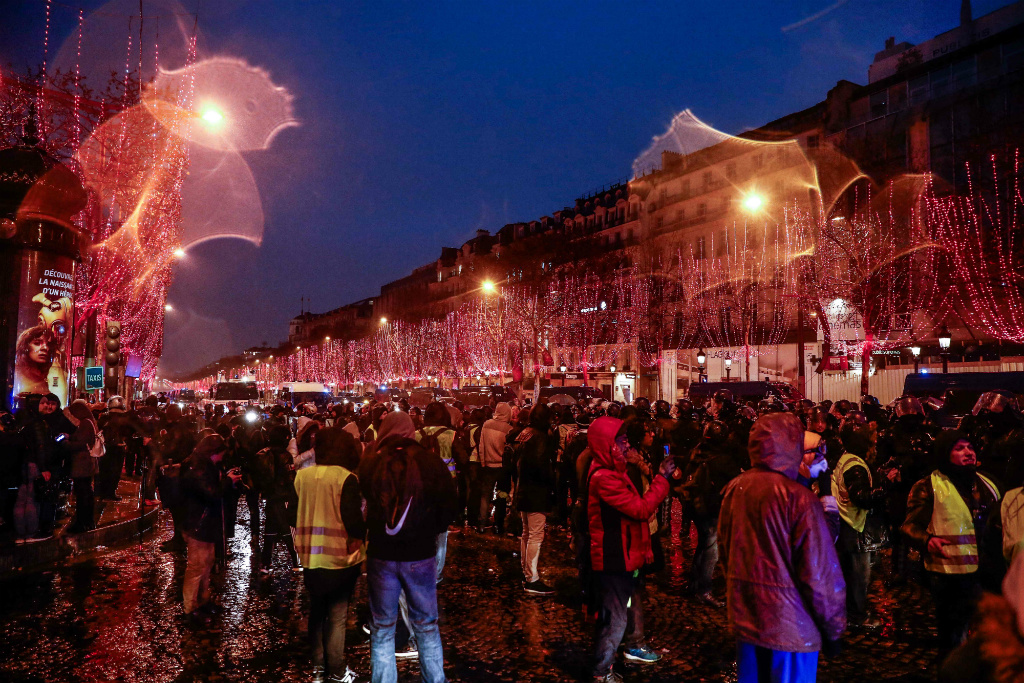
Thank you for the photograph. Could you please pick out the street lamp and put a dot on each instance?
(179, 253)
(327, 339)
(753, 202)
(701, 358)
(383, 321)
(612, 368)
(916, 352)
(728, 368)
(562, 369)
(487, 286)
(945, 338)
(168, 308)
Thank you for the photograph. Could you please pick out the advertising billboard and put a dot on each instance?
(45, 321)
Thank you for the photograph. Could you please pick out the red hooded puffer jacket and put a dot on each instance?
(620, 538)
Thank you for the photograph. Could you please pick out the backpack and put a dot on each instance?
(461, 449)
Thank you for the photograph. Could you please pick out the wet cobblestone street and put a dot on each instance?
(117, 616)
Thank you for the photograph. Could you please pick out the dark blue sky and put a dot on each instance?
(423, 121)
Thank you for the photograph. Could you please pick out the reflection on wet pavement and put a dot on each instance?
(118, 617)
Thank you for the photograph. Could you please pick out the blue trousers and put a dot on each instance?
(386, 581)
(756, 664)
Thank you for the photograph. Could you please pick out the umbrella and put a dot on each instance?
(562, 399)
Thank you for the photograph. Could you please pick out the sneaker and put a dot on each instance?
(410, 652)
(318, 674)
(349, 677)
(869, 622)
(538, 588)
(709, 600)
(642, 655)
(610, 677)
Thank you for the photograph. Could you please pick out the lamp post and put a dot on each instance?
(945, 338)
(701, 358)
(562, 369)
(728, 368)
(916, 352)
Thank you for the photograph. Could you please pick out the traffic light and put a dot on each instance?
(113, 344)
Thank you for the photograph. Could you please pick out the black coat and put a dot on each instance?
(535, 452)
(203, 490)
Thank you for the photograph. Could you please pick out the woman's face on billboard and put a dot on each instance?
(39, 350)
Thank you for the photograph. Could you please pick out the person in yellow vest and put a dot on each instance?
(329, 538)
(852, 489)
(946, 514)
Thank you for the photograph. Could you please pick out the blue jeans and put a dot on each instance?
(755, 664)
(386, 580)
(614, 591)
(439, 557)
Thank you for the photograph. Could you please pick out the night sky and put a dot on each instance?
(424, 121)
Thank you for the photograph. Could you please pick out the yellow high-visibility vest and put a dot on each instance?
(321, 540)
(1012, 513)
(951, 520)
(854, 516)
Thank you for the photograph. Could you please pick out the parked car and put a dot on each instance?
(423, 396)
(392, 394)
(745, 391)
(480, 396)
(580, 394)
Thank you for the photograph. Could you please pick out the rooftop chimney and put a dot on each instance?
(890, 42)
(965, 12)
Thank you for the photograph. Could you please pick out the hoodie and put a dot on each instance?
(410, 497)
(620, 537)
(492, 436)
(784, 587)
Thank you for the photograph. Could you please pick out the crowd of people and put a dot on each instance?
(793, 502)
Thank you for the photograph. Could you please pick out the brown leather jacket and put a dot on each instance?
(784, 586)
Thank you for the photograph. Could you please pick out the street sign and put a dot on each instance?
(93, 378)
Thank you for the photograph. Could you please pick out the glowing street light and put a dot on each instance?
(327, 339)
(916, 351)
(753, 202)
(168, 308)
(487, 286)
(179, 253)
(383, 321)
(212, 116)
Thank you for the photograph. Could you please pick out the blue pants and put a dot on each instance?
(386, 581)
(756, 664)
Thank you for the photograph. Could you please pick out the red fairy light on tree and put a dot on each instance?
(876, 269)
(981, 232)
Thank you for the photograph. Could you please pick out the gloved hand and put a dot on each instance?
(831, 648)
(668, 466)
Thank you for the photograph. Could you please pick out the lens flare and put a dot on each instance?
(212, 116)
(753, 202)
